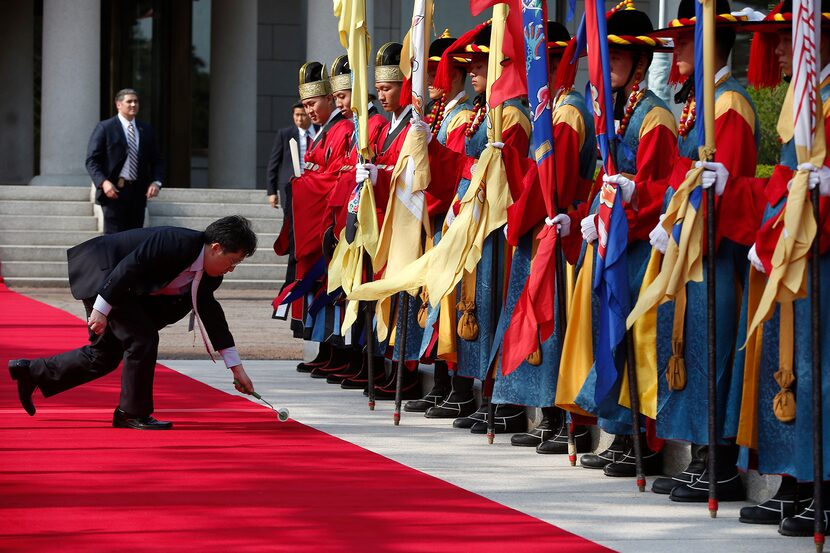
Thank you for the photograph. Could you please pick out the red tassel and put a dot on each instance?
(763, 70)
(406, 92)
(675, 78)
(443, 75)
(566, 72)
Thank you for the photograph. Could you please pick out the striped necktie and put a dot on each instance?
(132, 152)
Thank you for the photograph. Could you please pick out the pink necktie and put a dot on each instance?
(193, 293)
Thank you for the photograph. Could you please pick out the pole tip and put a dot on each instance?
(641, 483)
(371, 406)
(396, 418)
(713, 508)
(490, 438)
(572, 460)
(818, 538)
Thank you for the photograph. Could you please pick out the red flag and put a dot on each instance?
(513, 80)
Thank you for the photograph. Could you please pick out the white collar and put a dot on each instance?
(402, 117)
(723, 72)
(199, 264)
(825, 72)
(309, 131)
(458, 97)
(126, 122)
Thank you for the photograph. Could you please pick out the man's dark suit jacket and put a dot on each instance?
(280, 166)
(140, 261)
(107, 153)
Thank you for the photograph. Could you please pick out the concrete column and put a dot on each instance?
(322, 40)
(16, 100)
(233, 94)
(70, 88)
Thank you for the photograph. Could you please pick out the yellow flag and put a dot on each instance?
(354, 36)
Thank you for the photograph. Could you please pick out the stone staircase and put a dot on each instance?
(39, 223)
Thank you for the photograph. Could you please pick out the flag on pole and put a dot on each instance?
(788, 277)
(532, 321)
(611, 272)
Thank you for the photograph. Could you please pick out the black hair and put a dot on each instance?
(233, 233)
(298, 105)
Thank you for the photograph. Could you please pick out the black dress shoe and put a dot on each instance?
(361, 379)
(802, 524)
(433, 398)
(627, 466)
(664, 485)
(410, 386)
(507, 419)
(545, 430)
(19, 371)
(120, 419)
(729, 488)
(614, 452)
(467, 422)
(456, 405)
(558, 444)
(788, 501)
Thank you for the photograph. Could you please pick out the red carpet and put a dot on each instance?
(229, 478)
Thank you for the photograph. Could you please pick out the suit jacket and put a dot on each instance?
(107, 153)
(280, 166)
(140, 261)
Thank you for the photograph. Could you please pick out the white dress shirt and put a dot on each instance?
(302, 145)
(180, 285)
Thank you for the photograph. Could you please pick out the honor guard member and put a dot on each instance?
(776, 400)
(682, 344)
(645, 151)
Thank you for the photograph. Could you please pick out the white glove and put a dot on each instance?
(755, 260)
(658, 237)
(496, 145)
(714, 174)
(363, 171)
(819, 176)
(562, 222)
(421, 126)
(589, 228)
(504, 229)
(626, 186)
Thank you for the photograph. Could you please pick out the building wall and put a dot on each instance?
(16, 102)
(281, 50)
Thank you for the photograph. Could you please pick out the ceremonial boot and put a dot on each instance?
(361, 379)
(614, 452)
(460, 403)
(664, 485)
(323, 356)
(802, 524)
(782, 505)
(410, 387)
(338, 363)
(507, 419)
(479, 415)
(355, 366)
(558, 445)
(441, 388)
(546, 429)
(728, 484)
(627, 466)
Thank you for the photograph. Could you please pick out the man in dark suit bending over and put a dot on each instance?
(125, 165)
(133, 284)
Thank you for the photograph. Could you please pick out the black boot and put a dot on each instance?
(614, 452)
(361, 379)
(627, 466)
(507, 419)
(358, 359)
(558, 445)
(802, 524)
(550, 424)
(785, 503)
(323, 356)
(460, 403)
(440, 390)
(468, 421)
(664, 485)
(410, 386)
(729, 485)
(338, 363)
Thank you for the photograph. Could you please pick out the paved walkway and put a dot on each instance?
(606, 510)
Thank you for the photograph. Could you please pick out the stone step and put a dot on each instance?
(201, 209)
(52, 223)
(263, 255)
(45, 207)
(213, 195)
(38, 238)
(260, 224)
(62, 193)
(36, 282)
(58, 269)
